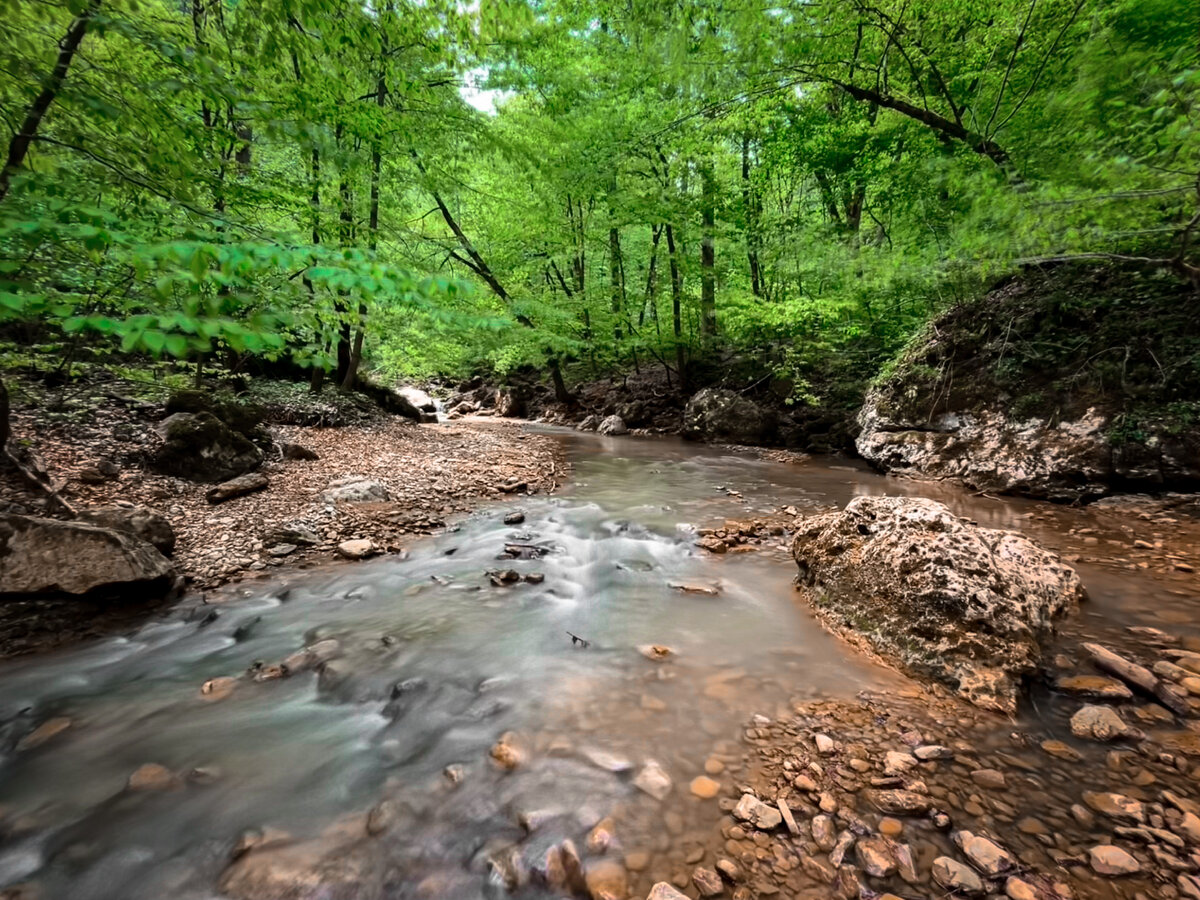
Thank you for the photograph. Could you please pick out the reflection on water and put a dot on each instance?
(434, 664)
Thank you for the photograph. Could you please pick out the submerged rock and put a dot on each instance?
(46, 556)
(935, 595)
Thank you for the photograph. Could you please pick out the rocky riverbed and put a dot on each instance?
(320, 494)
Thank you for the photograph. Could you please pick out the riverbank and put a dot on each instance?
(380, 479)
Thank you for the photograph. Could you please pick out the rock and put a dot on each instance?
(382, 817)
(296, 533)
(704, 787)
(45, 732)
(200, 447)
(1189, 826)
(147, 523)
(1061, 750)
(104, 471)
(933, 751)
(897, 763)
(844, 842)
(613, 426)
(237, 487)
(152, 777)
(985, 855)
(606, 879)
(934, 594)
(875, 856)
(420, 400)
(761, 815)
(356, 489)
(602, 836)
(505, 753)
(281, 550)
(707, 882)
(656, 652)
(297, 452)
(1101, 723)
(714, 414)
(332, 864)
(824, 832)
(47, 556)
(899, 802)
(890, 827)
(992, 779)
(609, 762)
(824, 744)
(955, 876)
(654, 780)
(589, 423)
(664, 891)
(788, 819)
(218, 688)
(360, 548)
(1117, 806)
(514, 518)
(1106, 859)
(712, 544)
(1095, 687)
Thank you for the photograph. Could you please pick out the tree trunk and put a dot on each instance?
(345, 232)
(677, 309)
(18, 147)
(5, 421)
(372, 225)
(708, 279)
(750, 201)
(561, 394)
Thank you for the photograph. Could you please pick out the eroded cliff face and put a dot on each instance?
(1053, 385)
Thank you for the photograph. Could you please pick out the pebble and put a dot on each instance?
(985, 855)
(825, 745)
(1117, 806)
(824, 832)
(992, 779)
(705, 788)
(1095, 686)
(707, 882)
(890, 827)
(654, 780)
(664, 891)
(713, 766)
(875, 856)
(1100, 723)
(1060, 750)
(607, 879)
(761, 815)
(152, 777)
(1107, 859)
(956, 876)
(359, 548)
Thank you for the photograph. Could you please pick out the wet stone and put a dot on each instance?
(1100, 723)
(875, 856)
(992, 779)
(1110, 860)
(704, 787)
(1096, 687)
(1117, 806)
(956, 876)
(707, 882)
(761, 815)
(985, 855)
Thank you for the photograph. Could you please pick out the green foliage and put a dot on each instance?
(275, 180)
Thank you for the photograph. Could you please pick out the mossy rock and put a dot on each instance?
(201, 447)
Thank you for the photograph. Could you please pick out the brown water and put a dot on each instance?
(437, 663)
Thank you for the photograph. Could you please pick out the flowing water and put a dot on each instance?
(435, 664)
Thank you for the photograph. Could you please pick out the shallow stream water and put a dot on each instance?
(436, 663)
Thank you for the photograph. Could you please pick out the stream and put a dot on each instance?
(435, 663)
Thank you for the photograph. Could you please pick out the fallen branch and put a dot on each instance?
(576, 639)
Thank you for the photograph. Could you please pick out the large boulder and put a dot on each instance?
(933, 594)
(47, 556)
(510, 402)
(200, 447)
(418, 398)
(147, 523)
(612, 425)
(715, 414)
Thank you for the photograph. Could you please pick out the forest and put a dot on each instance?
(573, 189)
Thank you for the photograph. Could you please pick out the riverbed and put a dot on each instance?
(435, 662)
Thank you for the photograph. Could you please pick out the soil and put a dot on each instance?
(432, 472)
